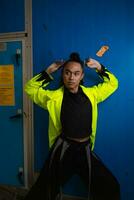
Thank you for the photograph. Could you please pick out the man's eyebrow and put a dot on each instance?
(71, 71)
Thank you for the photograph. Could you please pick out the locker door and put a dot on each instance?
(11, 113)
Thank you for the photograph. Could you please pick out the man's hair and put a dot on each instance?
(75, 57)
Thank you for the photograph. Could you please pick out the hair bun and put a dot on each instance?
(75, 57)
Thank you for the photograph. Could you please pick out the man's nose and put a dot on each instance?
(71, 76)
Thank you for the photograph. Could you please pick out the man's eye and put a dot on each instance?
(67, 73)
(76, 73)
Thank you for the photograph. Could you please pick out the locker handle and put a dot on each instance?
(15, 116)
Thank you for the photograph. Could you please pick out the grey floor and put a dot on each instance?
(13, 193)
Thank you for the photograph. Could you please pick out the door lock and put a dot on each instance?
(17, 115)
(18, 56)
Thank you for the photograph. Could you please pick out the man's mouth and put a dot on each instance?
(70, 83)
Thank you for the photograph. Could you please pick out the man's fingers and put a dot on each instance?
(60, 62)
(90, 61)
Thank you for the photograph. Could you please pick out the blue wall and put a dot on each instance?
(12, 16)
(61, 27)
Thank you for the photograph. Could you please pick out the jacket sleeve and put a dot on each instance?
(107, 87)
(35, 88)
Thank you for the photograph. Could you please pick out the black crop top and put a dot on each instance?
(76, 114)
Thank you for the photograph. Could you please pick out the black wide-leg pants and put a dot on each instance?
(67, 158)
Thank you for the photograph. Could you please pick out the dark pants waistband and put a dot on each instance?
(75, 140)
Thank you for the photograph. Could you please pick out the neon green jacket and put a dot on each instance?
(51, 100)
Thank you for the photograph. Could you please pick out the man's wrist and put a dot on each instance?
(48, 71)
(99, 68)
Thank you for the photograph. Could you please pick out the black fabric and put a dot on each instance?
(103, 73)
(58, 170)
(104, 185)
(44, 76)
(76, 114)
(47, 186)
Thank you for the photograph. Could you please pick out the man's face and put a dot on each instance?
(72, 75)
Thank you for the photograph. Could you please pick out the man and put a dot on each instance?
(72, 129)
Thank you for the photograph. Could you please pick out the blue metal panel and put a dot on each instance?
(11, 130)
(61, 27)
(12, 16)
